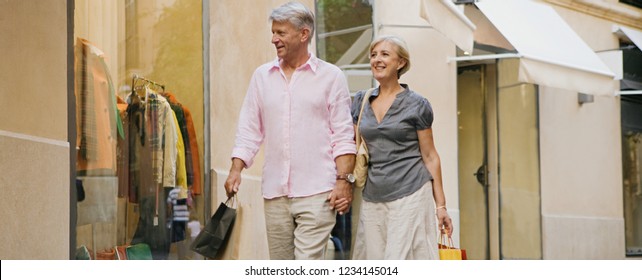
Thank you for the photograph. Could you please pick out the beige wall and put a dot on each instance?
(611, 10)
(581, 164)
(581, 175)
(238, 44)
(580, 145)
(34, 152)
(433, 77)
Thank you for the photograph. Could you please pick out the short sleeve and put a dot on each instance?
(424, 115)
(355, 108)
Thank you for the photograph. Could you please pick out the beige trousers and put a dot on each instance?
(298, 228)
(403, 229)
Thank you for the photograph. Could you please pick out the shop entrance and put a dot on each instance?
(498, 164)
(473, 161)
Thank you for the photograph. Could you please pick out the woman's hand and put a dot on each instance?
(445, 223)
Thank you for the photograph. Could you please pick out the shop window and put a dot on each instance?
(344, 33)
(632, 150)
(139, 112)
(632, 177)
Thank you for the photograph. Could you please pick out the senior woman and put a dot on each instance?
(404, 193)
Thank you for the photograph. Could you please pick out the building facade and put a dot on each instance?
(537, 107)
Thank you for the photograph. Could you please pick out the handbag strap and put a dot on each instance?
(363, 104)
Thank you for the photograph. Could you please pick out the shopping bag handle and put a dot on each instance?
(232, 201)
(450, 240)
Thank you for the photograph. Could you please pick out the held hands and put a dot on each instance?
(445, 223)
(341, 197)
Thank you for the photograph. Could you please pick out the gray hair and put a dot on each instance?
(402, 50)
(295, 13)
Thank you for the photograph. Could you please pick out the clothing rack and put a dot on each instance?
(136, 78)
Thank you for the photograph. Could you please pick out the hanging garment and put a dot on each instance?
(152, 226)
(181, 177)
(97, 120)
(192, 159)
(156, 166)
(197, 188)
(122, 150)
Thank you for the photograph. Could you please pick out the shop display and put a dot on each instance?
(137, 163)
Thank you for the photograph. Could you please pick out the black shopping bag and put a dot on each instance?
(213, 238)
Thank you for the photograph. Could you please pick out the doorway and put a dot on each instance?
(498, 163)
(472, 83)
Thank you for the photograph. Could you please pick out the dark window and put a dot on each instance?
(631, 111)
(637, 3)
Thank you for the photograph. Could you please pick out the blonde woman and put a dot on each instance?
(404, 193)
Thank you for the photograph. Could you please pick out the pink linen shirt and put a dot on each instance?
(304, 124)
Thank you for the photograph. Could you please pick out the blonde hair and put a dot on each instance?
(402, 50)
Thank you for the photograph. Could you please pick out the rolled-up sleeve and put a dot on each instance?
(249, 134)
(342, 137)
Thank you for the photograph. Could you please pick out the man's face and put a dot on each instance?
(287, 39)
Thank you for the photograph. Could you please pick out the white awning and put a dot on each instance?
(630, 34)
(446, 18)
(551, 53)
(635, 37)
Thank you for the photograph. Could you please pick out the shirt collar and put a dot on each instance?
(405, 86)
(312, 63)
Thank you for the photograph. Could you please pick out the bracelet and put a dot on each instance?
(441, 207)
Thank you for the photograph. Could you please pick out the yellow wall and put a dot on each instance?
(34, 152)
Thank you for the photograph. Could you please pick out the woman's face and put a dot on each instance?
(385, 62)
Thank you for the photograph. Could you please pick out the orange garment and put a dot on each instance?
(191, 131)
(95, 113)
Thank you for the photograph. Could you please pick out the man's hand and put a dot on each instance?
(233, 180)
(232, 183)
(341, 196)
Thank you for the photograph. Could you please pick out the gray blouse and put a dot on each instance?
(396, 168)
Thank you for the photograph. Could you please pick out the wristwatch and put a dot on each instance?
(348, 177)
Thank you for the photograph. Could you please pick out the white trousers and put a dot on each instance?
(403, 229)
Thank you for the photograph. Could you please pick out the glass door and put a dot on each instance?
(498, 144)
(473, 165)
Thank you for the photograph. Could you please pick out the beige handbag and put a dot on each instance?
(361, 164)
